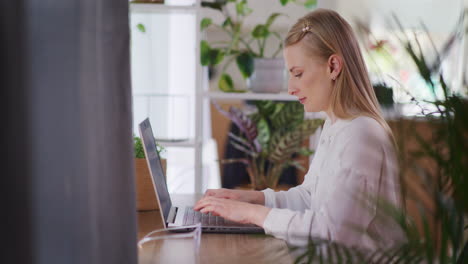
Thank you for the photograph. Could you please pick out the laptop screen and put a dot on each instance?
(152, 158)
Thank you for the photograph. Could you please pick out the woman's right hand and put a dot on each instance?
(254, 197)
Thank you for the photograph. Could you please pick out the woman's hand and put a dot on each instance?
(255, 197)
(236, 211)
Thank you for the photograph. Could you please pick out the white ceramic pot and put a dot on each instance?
(269, 76)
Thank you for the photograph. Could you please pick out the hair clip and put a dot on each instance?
(306, 27)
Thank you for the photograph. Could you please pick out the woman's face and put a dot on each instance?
(309, 78)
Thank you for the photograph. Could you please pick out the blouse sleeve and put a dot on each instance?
(341, 215)
(297, 198)
(338, 219)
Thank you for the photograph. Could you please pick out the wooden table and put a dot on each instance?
(214, 248)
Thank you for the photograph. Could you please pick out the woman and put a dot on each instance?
(355, 160)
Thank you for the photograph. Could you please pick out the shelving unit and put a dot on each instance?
(283, 96)
(178, 144)
(151, 8)
(202, 97)
(195, 140)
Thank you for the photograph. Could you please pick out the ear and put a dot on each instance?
(335, 64)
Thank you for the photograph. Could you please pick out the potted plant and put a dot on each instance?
(146, 197)
(270, 137)
(263, 72)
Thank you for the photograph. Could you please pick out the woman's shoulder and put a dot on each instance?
(365, 123)
(365, 128)
(363, 142)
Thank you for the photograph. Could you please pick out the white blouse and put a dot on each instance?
(354, 162)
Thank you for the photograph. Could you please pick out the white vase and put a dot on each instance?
(269, 76)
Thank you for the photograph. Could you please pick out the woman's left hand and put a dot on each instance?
(233, 210)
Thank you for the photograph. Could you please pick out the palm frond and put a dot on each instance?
(243, 122)
(289, 142)
(244, 149)
(242, 141)
(230, 161)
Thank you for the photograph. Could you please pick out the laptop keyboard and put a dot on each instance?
(193, 217)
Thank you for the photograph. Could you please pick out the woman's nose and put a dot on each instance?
(291, 90)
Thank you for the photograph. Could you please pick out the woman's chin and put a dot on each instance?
(309, 108)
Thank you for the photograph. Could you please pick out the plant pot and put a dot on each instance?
(145, 193)
(269, 76)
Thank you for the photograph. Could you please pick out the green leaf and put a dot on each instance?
(272, 18)
(214, 5)
(263, 133)
(289, 115)
(282, 147)
(243, 149)
(227, 22)
(308, 127)
(205, 53)
(139, 153)
(141, 28)
(248, 11)
(278, 108)
(225, 83)
(260, 31)
(216, 56)
(266, 108)
(305, 152)
(230, 161)
(296, 165)
(209, 56)
(242, 121)
(284, 2)
(310, 4)
(205, 23)
(242, 8)
(241, 140)
(245, 62)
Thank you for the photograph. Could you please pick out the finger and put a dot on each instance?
(209, 203)
(207, 209)
(203, 203)
(221, 193)
(200, 204)
(211, 192)
(215, 213)
(208, 193)
(213, 209)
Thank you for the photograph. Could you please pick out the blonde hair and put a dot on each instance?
(324, 33)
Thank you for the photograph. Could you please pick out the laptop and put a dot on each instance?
(182, 216)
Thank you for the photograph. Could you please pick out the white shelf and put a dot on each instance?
(161, 8)
(283, 96)
(154, 94)
(177, 143)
